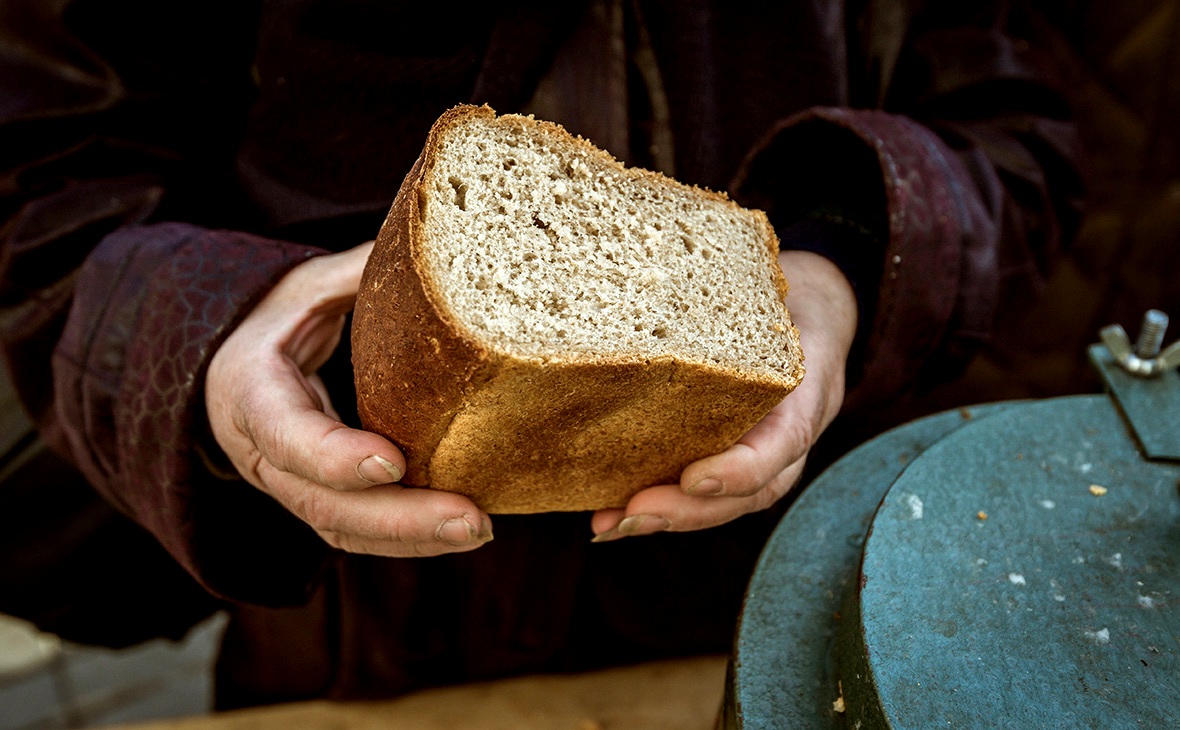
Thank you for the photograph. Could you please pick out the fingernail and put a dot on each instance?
(707, 487)
(485, 530)
(376, 470)
(464, 531)
(633, 526)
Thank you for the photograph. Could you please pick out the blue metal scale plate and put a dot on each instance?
(1020, 570)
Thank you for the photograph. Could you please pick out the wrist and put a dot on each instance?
(820, 293)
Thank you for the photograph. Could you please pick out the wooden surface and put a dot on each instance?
(675, 695)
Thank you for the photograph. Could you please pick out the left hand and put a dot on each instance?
(270, 413)
(766, 463)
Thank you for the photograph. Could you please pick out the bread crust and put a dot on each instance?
(530, 434)
(412, 362)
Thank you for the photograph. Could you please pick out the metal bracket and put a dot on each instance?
(1144, 384)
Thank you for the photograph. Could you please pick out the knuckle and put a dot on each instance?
(713, 520)
(250, 466)
(749, 475)
(801, 432)
(747, 486)
(334, 539)
(395, 530)
(273, 440)
(245, 401)
(315, 507)
(331, 461)
(400, 538)
(775, 489)
(391, 547)
(765, 498)
(428, 549)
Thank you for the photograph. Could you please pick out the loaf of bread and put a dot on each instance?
(541, 328)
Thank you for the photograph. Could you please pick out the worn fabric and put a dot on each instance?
(154, 185)
(1120, 63)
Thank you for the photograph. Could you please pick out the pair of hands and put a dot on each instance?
(271, 414)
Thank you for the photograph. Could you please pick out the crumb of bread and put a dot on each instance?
(551, 248)
(981, 515)
(1097, 490)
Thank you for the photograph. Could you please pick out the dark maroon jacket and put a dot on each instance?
(162, 164)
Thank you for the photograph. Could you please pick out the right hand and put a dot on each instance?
(270, 413)
(767, 462)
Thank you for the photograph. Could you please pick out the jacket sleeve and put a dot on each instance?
(954, 181)
(127, 307)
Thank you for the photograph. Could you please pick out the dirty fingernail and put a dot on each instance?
(708, 487)
(376, 470)
(643, 525)
(633, 526)
(460, 530)
(485, 530)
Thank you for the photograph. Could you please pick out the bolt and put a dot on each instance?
(1151, 333)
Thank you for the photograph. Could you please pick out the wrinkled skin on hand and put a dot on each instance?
(766, 463)
(271, 415)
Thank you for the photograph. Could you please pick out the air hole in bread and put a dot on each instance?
(460, 189)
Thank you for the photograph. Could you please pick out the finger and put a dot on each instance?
(328, 278)
(385, 520)
(774, 443)
(320, 449)
(283, 420)
(316, 384)
(323, 289)
(327, 287)
(606, 519)
(393, 549)
(312, 342)
(347, 268)
(667, 508)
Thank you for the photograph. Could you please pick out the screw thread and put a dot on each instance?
(1151, 333)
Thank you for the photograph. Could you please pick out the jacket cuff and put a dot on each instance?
(934, 266)
(152, 304)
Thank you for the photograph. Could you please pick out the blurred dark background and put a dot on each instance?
(1121, 69)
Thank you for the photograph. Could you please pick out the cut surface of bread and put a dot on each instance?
(541, 328)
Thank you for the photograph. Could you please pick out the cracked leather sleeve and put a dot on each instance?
(151, 306)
